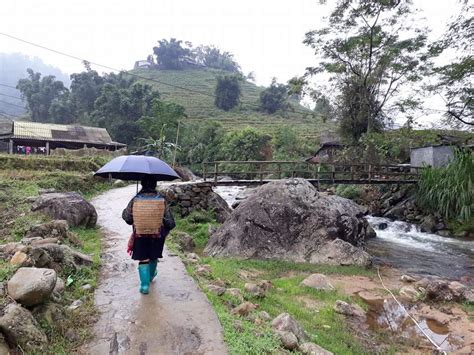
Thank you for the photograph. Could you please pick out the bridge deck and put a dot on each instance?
(315, 182)
(225, 173)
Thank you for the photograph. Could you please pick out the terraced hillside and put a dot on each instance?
(200, 107)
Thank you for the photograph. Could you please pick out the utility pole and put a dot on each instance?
(176, 145)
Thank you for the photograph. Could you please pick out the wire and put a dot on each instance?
(8, 103)
(132, 74)
(306, 113)
(9, 86)
(13, 97)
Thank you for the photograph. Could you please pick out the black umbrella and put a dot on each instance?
(136, 167)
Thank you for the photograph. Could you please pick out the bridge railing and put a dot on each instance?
(321, 172)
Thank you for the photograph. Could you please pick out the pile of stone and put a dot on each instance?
(33, 293)
(436, 290)
(195, 196)
(35, 288)
(43, 247)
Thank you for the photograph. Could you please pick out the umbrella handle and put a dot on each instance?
(137, 187)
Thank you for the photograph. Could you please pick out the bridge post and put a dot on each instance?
(319, 183)
(279, 170)
(333, 170)
(204, 171)
(370, 173)
(260, 168)
(216, 171)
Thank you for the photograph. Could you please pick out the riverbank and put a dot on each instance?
(246, 309)
(400, 203)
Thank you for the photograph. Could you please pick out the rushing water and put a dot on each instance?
(403, 246)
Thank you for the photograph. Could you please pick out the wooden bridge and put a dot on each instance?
(228, 173)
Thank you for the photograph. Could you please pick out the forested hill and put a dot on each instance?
(13, 68)
(200, 107)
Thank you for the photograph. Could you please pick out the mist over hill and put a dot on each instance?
(13, 67)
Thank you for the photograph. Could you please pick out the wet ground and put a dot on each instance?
(175, 318)
(447, 325)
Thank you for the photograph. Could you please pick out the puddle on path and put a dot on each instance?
(388, 315)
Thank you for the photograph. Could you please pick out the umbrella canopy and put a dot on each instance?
(136, 167)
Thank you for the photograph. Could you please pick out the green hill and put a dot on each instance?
(201, 107)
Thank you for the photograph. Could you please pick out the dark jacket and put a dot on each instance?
(168, 220)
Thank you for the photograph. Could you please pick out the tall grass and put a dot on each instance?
(449, 190)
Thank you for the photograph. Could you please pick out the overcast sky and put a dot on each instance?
(265, 35)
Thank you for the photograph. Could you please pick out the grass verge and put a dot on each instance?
(66, 329)
(311, 308)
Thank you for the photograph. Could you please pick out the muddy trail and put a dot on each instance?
(175, 318)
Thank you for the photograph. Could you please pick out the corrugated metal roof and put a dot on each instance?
(5, 126)
(60, 133)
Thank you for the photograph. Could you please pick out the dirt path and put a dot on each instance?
(175, 318)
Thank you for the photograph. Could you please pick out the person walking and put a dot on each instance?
(152, 221)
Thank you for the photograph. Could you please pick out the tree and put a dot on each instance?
(370, 52)
(274, 98)
(162, 120)
(213, 57)
(159, 147)
(119, 109)
(227, 92)
(352, 112)
(455, 79)
(62, 110)
(245, 144)
(324, 108)
(200, 142)
(170, 54)
(287, 144)
(85, 89)
(40, 93)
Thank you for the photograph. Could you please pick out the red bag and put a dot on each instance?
(130, 243)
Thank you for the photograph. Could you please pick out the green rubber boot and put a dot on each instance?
(153, 264)
(144, 272)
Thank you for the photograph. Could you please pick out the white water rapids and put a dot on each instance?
(404, 246)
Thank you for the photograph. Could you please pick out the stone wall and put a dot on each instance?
(189, 197)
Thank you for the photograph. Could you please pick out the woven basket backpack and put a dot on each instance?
(148, 212)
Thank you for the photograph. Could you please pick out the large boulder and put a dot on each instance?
(69, 206)
(291, 220)
(31, 286)
(21, 329)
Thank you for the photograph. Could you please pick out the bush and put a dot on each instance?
(352, 192)
(449, 190)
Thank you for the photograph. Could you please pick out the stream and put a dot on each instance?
(405, 247)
